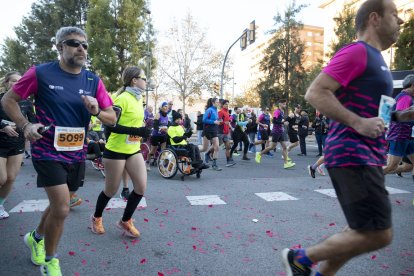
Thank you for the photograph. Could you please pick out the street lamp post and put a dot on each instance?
(148, 53)
(247, 35)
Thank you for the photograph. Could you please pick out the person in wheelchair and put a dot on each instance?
(96, 146)
(178, 138)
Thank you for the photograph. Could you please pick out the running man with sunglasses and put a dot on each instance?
(65, 96)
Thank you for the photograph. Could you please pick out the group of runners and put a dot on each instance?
(347, 91)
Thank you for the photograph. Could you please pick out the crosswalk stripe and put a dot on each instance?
(205, 200)
(328, 192)
(41, 204)
(391, 191)
(275, 196)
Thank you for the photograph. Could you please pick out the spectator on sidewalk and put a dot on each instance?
(303, 131)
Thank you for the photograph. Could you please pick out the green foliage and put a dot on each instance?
(404, 54)
(35, 34)
(115, 29)
(282, 62)
(344, 29)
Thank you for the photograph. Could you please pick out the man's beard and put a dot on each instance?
(72, 62)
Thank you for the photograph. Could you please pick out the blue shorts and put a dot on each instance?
(401, 148)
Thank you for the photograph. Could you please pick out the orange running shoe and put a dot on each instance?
(128, 228)
(97, 225)
(75, 200)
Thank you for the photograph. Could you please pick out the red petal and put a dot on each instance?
(71, 253)
(143, 261)
(373, 257)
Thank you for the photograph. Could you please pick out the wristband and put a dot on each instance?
(97, 114)
(24, 126)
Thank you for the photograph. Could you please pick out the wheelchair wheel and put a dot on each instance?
(145, 150)
(167, 163)
(184, 165)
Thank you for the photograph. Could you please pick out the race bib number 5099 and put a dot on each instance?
(69, 138)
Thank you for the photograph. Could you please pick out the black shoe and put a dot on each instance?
(301, 154)
(311, 171)
(124, 194)
(319, 155)
(293, 268)
(245, 158)
(399, 174)
(204, 166)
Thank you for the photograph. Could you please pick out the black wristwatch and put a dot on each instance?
(97, 114)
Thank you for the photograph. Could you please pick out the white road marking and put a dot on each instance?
(275, 196)
(393, 191)
(41, 204)
(205, 200)
(328, 192)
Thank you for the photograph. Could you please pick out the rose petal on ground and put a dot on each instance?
(143, 261)
(71, 253)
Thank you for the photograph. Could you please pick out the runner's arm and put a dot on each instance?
(139, 131)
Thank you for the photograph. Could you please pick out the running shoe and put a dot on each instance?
(95, 164)
(37, 249)
(51, 268)
(245, 158)
(216, 168)
(311, 171)
(128, 228)
(269, 154)
(75, 200)
(288, 165)
(399, 174)
(230, 163)
(97, 225)
(27, 155)
(147, 165)
(235, 153)
(124, 194)
(292, 267)
(3, 213)
(258, 157)
(320, 170)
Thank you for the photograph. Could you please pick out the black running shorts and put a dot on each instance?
(264, 135)
(210, 134)
(278, 137)
(6, 152)
(293, 137)
(53, 173)
(363, 197)
(109, 154)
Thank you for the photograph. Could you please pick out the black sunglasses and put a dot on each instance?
(144, 79)
(76, 43)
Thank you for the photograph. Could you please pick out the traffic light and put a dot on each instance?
(252, 32)
(243, 40)
(216, 87)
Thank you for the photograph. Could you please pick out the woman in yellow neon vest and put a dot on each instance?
(122, 150)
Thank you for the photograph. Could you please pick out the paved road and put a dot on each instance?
(218, 238)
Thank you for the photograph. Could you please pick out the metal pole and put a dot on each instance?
(224, 64)
(148, 12)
